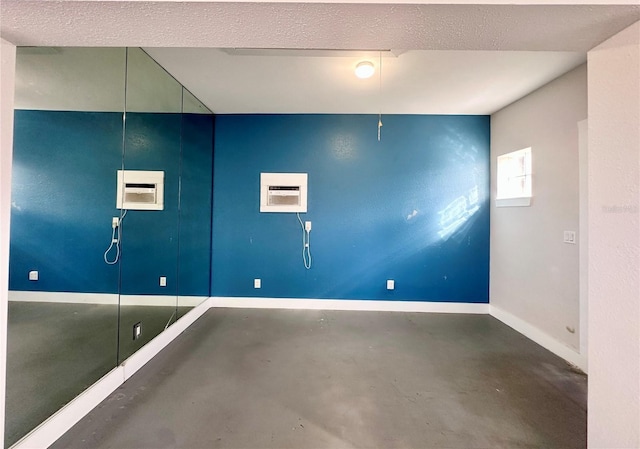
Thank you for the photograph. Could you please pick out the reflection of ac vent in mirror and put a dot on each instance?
(137, 330)
(140, 193)
(140, 190)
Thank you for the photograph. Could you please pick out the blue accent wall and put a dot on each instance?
(194, 274)
(64, 195)
(150, 238)
(63, 181)
(413, 207)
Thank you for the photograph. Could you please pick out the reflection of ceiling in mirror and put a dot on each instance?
(149, 87)
(191, 105)
(93, 79)
(65, 79)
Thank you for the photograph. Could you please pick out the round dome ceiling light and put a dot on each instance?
(365, 69)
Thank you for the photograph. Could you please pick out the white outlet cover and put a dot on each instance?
(137, 330)
(33, 275)
(163, 281)
(569, 237)
(257, 283)
(391, 284)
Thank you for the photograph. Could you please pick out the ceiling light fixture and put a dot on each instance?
(365, 69)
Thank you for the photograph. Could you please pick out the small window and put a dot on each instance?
(514, 179)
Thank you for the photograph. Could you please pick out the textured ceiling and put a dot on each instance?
(312, 25)
(447, 78)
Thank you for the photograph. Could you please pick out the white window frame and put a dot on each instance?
(514, 179)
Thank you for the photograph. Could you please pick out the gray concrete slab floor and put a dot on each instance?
(331, 379)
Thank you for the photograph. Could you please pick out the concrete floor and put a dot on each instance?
(327, 379)
(56, 350)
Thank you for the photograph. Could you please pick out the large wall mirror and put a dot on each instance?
(148, 294)
(83, 271)
(63, 298)
(196, 190)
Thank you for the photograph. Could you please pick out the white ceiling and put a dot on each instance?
(415, 82)
(453, 60)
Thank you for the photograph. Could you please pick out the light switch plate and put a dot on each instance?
(569, 237)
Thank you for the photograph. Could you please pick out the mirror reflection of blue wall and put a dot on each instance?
(64, 197)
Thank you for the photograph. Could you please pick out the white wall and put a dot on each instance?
(7, 76)
(534, 275)
(614, 241)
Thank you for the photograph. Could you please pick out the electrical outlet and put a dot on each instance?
(33, 275)
(569, 237)
(137, 330)
(391, 284)
(257, 283)
(114, 222)
(163, 281)
(307, 226)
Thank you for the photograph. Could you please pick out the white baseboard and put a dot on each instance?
(160, 300)
(60, 422)
(64, 297)
(540, 337)
(151, 349)
(191, 301)
(342, 304)
(147, 300)
(105, 298)
(251, 302)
